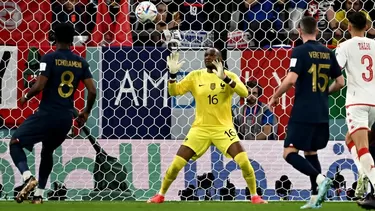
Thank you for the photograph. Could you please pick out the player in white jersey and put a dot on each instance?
(357, 56)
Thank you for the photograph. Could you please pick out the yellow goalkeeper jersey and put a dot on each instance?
(212, 95)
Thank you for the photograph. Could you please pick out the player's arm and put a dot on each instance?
(91, 94)
(335, 72)
(231, 79)
(174, 66)
(235, 83)
(287, 83)
(295, 66)
(337, 84)
(179, 88)
(39, 85)
(45, 71)
(341, 56)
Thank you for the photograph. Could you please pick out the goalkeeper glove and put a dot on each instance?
(173, 64)
(220, 71)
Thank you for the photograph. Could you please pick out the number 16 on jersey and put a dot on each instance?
(212, 99)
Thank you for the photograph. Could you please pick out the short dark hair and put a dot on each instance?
(217, 51)
(253, 84)
(308, 25)
(358, 20)
(64, 33)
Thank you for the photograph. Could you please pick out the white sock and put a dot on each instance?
(161, 193)
(26, 175)
(254, 195)
(313, 198)
(320, 178)
(353, 152)
(39, 192)
(367, 164)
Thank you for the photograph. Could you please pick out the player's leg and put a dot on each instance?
(321, 182)
(54, 138)
(367, 162)
(353, 151)
(195, 145)
(230, 146)
(183, 155)
(363, 119)
(45, 169)
(319, 141)
(19, 157)
(302, 164)
(362, 181)
(357, 122)
(22, 138)
(29, 133)
(313, 159)
(371, 138)
(239, 155)
(301, 137)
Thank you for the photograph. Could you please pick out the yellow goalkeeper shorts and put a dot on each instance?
(199, 139)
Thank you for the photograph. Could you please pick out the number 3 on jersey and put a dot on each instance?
(368, 67)
(67, 78)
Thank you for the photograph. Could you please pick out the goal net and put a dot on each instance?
(137, 125)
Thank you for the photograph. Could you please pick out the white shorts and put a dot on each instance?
(359, 117)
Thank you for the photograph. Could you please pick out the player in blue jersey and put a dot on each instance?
(311, 67)
(60, 74)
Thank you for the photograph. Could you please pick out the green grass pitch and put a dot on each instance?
(171, 206)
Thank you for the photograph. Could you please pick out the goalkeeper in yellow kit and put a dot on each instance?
(212, 88)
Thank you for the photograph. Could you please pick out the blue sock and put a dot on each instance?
(301, 164)
(314, 161)
(18, 157)
(45, 168)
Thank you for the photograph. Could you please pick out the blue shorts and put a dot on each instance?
(50, 129)
(307, 136)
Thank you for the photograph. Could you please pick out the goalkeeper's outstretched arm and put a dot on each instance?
(181, 87)
(236, 84)
(230, 78)
(174, 66)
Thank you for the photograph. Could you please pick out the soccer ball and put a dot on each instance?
(146, 11)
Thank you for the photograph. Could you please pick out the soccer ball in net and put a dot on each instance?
(146, 11)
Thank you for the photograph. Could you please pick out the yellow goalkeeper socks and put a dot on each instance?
(247, 172)
(177, 164)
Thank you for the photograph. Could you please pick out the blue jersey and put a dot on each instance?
(264, 10)
(193, 17)
(64, 71)
(315, 64)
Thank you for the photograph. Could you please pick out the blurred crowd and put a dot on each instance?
(253, 23)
